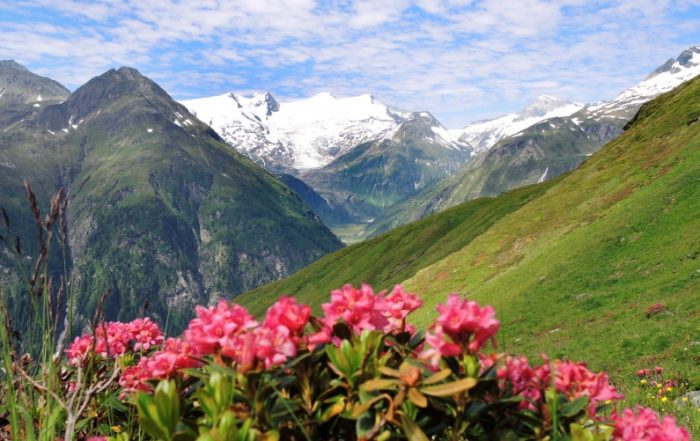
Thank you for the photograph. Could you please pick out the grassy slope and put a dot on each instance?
(572, 271)
(395, 256)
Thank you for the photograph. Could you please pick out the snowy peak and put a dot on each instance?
(425, 128)
(544, 105)
(686, 60)
(664, 78)
(482, 135)
(300, 134)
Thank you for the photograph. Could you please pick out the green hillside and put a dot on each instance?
(162, 213)
(572, 267)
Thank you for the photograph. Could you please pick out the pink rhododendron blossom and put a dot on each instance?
(112, 339)
(644, 425)
(466, 323)
(145, 334)
(133, 379)
(260, 347)
(175, 355)
(79, 349)
(274, 346)
(360, 309)
(438, 347)
(214, 325)
(288, 313)
(575, 380)
(241, 349)
(525, 380)
(397, 306)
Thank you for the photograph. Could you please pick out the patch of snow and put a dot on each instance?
(37, 105)
(38, 98)
(51, 132)
(64, 130)
(484, 134)
(149, 130)
(303, 134)
(576, 121)
(544, 176)
(177, 123)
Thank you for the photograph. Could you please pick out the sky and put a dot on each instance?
(462, 60)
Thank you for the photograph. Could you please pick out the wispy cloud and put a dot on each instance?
(460, 59)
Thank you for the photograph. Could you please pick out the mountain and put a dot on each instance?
(162, 211)
(362, 183)
(23, 92)
(570, 264)
(482, 135)
(296, 135)
(544, 150)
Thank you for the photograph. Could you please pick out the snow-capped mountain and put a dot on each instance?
(301, 134)
(666, 77)
(484, 134)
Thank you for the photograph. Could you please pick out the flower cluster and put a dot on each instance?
(363, 310)
(464, 379)
(661, 390)
(467, 325)
(643, 424)
(175, 355)
(113, 339)
(216, 327)
(573, 380)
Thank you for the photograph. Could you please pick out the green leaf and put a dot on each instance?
(378, 384)
(417, 398)
(365, 424)
(361, 408)
(437, 377)
(451, 388)
(573, 408)
(412, 431)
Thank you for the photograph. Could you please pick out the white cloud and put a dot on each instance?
(460, 59)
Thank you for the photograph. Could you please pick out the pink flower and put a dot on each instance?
(145, 334)
(112, 339)
(643, 372)
(467, 324)
(360, 309)
(575, 380)
(241, 349)
(214, 325)
(525, 380)
(175, 355)
(438, 347)
(132, 380)
(644, 425)
(274, 346)
(397, 306)
(77, 352)
(286, 312)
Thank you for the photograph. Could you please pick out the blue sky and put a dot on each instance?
(460, 59)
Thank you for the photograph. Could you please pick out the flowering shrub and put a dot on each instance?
(358, 372)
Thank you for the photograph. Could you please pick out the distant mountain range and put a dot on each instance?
(162, 212)
(367, 167)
